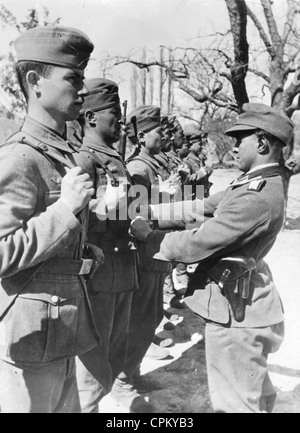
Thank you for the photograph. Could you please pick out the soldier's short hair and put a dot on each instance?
(23, 67)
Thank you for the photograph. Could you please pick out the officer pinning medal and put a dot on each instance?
(110, 234)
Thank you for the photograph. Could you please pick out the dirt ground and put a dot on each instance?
(179, 384)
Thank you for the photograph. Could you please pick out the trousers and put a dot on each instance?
(97, 369)
(147, 311)
(39, 388)
(237, 370)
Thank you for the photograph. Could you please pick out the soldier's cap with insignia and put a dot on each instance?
(260, 116)
(102, 94)
(143, 118)
(54, 45)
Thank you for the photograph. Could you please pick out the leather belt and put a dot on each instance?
(67, 266)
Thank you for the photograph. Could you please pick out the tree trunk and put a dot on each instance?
(161, 77)
(144, 80)
(237, 10)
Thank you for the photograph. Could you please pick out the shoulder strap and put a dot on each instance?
(99, 163)
(40, 147)
(48, 151)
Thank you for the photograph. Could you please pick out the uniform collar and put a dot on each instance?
(46, 135)
(99, 146)
(172, 153)
(263, 167)
(193, 157)
(259, 172)
(147, 157)
(163, 157)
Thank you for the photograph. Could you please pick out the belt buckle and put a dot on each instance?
(86, 266)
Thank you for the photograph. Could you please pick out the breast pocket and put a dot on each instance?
(44, 323)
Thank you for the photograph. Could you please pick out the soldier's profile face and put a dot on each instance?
(196, 147)
(184, 151)
(108, 123)
(62, 93)
(246, 150)
(178, 137)
(154, 140)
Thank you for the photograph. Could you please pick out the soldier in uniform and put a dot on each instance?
(113, 284)
(184, 151)
(144, 126)
(176, 142)
(196, 161)
(173, 132)
(162, 157)
(45, 318)
(233, 288)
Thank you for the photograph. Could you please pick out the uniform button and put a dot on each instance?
(55, 299)
(116, 249)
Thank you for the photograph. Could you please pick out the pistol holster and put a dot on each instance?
(233, 277)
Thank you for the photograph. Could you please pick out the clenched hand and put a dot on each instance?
(76, 189)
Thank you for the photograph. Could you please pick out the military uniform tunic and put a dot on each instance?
(44, 313)
(175, 160)
(147, 304)
(165, 164)
(145, 169)
(114, 282)
(243, 221)
(198, 175)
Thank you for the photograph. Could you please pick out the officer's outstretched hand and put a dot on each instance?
(170, 185)
(116, 196)
(139, 228)
(201, 173)
(76, 189)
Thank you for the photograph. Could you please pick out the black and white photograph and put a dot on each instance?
(149, 209)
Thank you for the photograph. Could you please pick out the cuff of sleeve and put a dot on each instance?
(154, 240)
(66, 214)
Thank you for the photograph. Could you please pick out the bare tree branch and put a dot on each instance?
(261, 32)
(260, 74)
(286, 102)
(288, 27)
(272, 26)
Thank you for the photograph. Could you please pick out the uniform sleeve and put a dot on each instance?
(27, 238)
(234, 226)
(85, 161)
(197, 177)
(211, 203)
(139, 173)
(183, 214)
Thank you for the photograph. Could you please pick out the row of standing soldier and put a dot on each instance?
(78, 286)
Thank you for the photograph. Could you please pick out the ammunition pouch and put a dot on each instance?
(233, 277)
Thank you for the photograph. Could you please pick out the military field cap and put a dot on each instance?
(167, 124)
(102, 94)
(261, 116)
(193, 133)
(177, 124)
(143, 118)
(55, 45)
